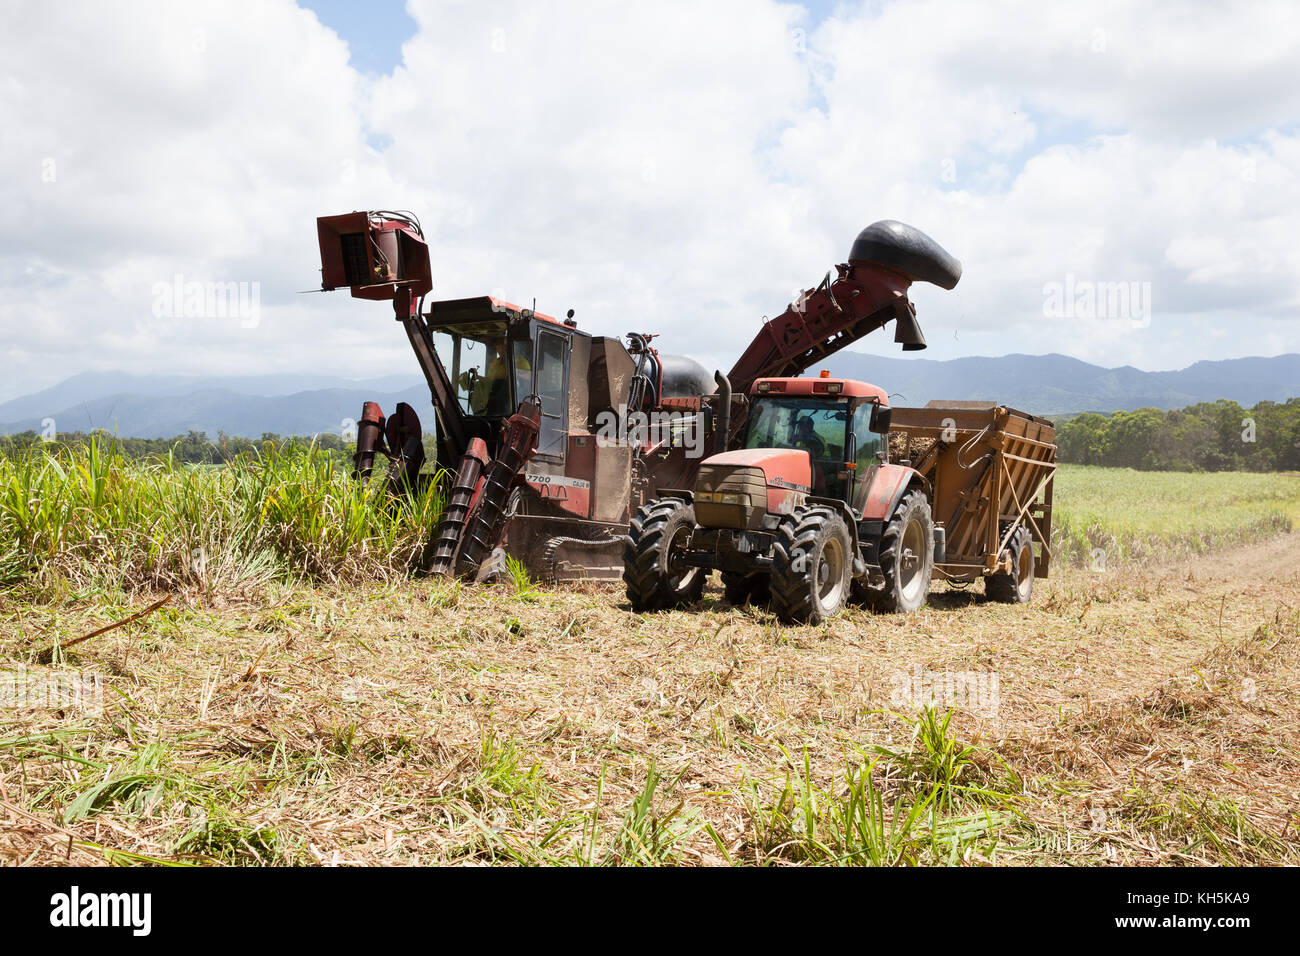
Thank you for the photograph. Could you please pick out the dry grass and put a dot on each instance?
(425, 722)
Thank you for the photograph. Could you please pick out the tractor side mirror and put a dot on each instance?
(880, 416)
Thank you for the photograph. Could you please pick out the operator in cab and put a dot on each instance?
(489, 393)
(806, 437)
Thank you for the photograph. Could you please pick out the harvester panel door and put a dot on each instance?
(551, 382)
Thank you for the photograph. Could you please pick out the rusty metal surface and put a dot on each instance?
(485, 526)
(373, 253)
(405, 442)
(370, 440)
(455, 514)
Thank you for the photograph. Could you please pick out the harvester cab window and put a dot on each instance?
(480, 370)
(523, 356)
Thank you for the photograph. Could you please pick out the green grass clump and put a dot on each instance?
(1210, 827)
(890, 808)
(87, 516)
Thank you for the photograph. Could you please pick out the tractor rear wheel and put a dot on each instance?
(906, 556)
(1018, 586)
(811, 566)
(652, 568)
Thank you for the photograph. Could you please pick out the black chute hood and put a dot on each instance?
(906, 249)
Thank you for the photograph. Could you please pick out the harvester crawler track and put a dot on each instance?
(565, 558)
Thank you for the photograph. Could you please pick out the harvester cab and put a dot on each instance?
(532, 414)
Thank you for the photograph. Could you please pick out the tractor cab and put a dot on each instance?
(839, 423)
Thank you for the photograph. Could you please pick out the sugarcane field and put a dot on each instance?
(755, 434)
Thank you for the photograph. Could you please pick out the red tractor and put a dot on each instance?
(806, 511)
(809, 512)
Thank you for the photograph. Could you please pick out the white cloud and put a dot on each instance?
(679, 168)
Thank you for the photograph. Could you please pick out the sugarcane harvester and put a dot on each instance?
(531, 414)
(525, 402)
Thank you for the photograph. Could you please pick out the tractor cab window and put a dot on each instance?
(868, 442)
(817, 426)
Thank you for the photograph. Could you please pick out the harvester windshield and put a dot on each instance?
(481, 368)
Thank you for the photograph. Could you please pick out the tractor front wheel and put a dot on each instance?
(906, 556)
(811, 566)
(655, 575)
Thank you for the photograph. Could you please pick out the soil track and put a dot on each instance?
(1136, 710)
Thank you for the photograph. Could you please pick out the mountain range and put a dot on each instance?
(1055, 385)
(163, 406)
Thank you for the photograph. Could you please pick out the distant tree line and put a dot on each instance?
(194, 447)
(1211, 436)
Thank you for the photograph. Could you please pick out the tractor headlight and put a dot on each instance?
(721, 498)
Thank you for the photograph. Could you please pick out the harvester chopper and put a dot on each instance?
(523, 400)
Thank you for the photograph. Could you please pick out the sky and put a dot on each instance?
(1120, 181)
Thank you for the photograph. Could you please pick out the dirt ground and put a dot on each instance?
(1142, 716)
